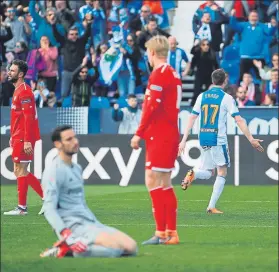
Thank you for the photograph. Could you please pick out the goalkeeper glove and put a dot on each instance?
(73, 243)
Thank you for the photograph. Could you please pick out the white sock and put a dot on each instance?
(202, 174)
(217, 191)
(21, 206)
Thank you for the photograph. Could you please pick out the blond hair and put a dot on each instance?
(159, 44)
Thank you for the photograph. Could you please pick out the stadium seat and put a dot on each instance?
(99, 103)
(232, 68)
(122, 102)
(67, 102)
(231, 52)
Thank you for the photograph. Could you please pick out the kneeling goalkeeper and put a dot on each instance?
(80, 233)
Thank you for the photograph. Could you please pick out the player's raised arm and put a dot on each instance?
(51, 186)
(194, 115)
(234, 112)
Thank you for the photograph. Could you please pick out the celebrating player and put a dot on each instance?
(159, 129)
(213, 107)
(24, 134)
(80, 233)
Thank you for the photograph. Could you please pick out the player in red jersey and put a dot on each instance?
(24, 134)
(159, 129)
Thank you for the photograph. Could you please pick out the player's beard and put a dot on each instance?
(13, 79)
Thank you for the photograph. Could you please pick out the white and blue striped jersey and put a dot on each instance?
(213, 106)
(175, 59)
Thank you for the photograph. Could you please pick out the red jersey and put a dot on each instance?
(161, 105)
(24, 119)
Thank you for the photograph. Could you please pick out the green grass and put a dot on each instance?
(244, 238)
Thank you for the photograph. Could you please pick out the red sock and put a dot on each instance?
(22, 188)
(158, 208)
(35, 184)
(171, 208)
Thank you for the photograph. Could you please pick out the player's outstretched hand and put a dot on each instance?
(28, 148)
(181, 148)
(256, 144)
(135, 142)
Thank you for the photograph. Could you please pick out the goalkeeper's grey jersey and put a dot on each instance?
(64, 200)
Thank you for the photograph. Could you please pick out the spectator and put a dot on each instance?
(134, 56)
(272, 85)
(176, 56)
(266, 75)
(204, 63)
(114, 14)
(126, 79)
(7, 88)
(101, 89)
(73, 53)
(45, 25)
(129, 116)
(21, 51)
(151, 30)
(41, 93)
(138, 24)
(88, 8)
(155, 6)
(242, 9)
(64, 15)
(253, 91)
(32, 39)
(211, 30)
(242, 99)
(252, 43)
(274, 41)
(82, 84)
(6, 34)
(270, 100)
(20, 30)
(82, 25)
(49, 55)
(98, 32)
(75, 6)
(208, 7)
(51, 102)
(133, 7)
(230, 89)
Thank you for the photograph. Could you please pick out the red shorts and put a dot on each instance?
(18, 154)
(161, 154)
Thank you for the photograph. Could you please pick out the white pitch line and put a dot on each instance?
(179, 225)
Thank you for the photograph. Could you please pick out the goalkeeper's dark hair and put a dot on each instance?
(56, 134)
(218, 77)
(22, 66)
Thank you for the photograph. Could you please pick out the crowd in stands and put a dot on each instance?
(85, 53)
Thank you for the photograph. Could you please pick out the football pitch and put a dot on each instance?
(244, 238)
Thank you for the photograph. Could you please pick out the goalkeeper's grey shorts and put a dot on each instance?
(89, 230)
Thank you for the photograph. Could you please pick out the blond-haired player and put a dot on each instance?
(159, 129)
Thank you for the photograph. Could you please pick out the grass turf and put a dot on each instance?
(244, 238)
